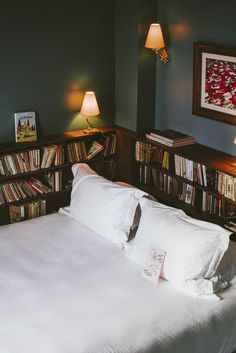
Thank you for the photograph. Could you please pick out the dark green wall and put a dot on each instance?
(186, 22)
(126, 54)
(135, 66)
(49, 49)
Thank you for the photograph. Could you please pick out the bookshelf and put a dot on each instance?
(196, 178)
(36, 177)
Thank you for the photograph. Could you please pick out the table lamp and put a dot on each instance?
(90, 109)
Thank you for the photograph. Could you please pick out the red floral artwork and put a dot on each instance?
(220, 83)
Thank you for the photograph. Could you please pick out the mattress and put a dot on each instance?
(65, 289)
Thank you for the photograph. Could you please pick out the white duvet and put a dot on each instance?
(64, 289)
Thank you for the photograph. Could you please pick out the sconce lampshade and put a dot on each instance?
(90, 106)
(155, 38)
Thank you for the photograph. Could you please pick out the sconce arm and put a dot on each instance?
(164, 55)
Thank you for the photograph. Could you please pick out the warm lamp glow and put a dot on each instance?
(74, 99)
(155, 38)
(156, 42)
(89, 109)
(235, 140)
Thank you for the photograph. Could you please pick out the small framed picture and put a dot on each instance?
(25, 127)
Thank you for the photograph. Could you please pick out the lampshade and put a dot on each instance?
(90, 105)
(155, 38)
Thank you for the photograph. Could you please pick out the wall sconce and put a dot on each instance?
(156, 42)
(90, 109)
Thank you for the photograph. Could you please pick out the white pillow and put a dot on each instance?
(103, 206)
(193, 248)
(227, 266)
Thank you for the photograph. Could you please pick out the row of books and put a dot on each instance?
(54, 155)
(167, 183)
(171, 138)
(22, 189)
(146, 153)
(194, 171)
(21, 162)
(210, 203)
(183, 167)
(215, 205)
(77, 151)
(217, 181)
(80, 151)
(28, 210)
(214, 180)
(170, 185)
(31, 160)
(225, 185)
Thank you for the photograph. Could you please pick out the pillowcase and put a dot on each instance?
(137, 214)
(193, 248)
(102, 205)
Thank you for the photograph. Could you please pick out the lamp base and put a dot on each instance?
(91, 130)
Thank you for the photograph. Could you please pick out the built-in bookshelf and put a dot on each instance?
(36, 177)
(196, 178)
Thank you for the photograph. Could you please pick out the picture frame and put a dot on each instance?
(25, 126)
(214, 82)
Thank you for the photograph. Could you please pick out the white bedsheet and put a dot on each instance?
(64, 289)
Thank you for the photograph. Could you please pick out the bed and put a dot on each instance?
(64, 288)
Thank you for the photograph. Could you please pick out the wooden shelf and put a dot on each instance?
(213, 160)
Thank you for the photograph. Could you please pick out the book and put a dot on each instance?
(25, 126)
(2, 170)
(95, 148)
(16, 213)
(171, 138)
(2, 199)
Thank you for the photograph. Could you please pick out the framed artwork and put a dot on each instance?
(214, 82)
(25, 127)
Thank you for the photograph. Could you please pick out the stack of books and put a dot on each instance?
(171, 138)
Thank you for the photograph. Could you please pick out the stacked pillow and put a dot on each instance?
(103, 206)
(199, 255)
